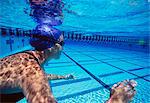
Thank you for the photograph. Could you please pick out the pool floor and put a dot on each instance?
(96, 69)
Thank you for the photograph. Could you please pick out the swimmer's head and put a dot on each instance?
(45, 37)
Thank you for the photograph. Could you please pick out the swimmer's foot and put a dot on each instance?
(122, 92)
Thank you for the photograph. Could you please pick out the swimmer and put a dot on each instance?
(122, 92)
(24, 70)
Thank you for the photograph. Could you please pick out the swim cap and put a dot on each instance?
(44, 36)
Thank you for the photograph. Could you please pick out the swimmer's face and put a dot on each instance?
(57, 49)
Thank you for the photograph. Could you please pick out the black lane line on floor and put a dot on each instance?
(112, 65)
(97, 79)
(90, 90)
(119, 68)
(123, 60)
(120, 72)
(85, 60)
(88, 78)
(143, 76)
(139, 68)
(112, 52)
(132, 63)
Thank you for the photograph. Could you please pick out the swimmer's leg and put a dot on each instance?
(36, 87)
(56, 77)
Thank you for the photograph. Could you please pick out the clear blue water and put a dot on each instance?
(107, 64)
(127, 16)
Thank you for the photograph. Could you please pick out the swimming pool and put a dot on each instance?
(108, 65)
(93, 58)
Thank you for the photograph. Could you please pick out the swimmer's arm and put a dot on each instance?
(36, 87)
(56, 77)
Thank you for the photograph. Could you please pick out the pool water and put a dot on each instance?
(95, 62)
(96, 69)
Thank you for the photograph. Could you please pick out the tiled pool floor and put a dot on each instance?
(96, 69)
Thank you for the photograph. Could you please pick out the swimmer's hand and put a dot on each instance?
(69, 76)
(122, 92)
